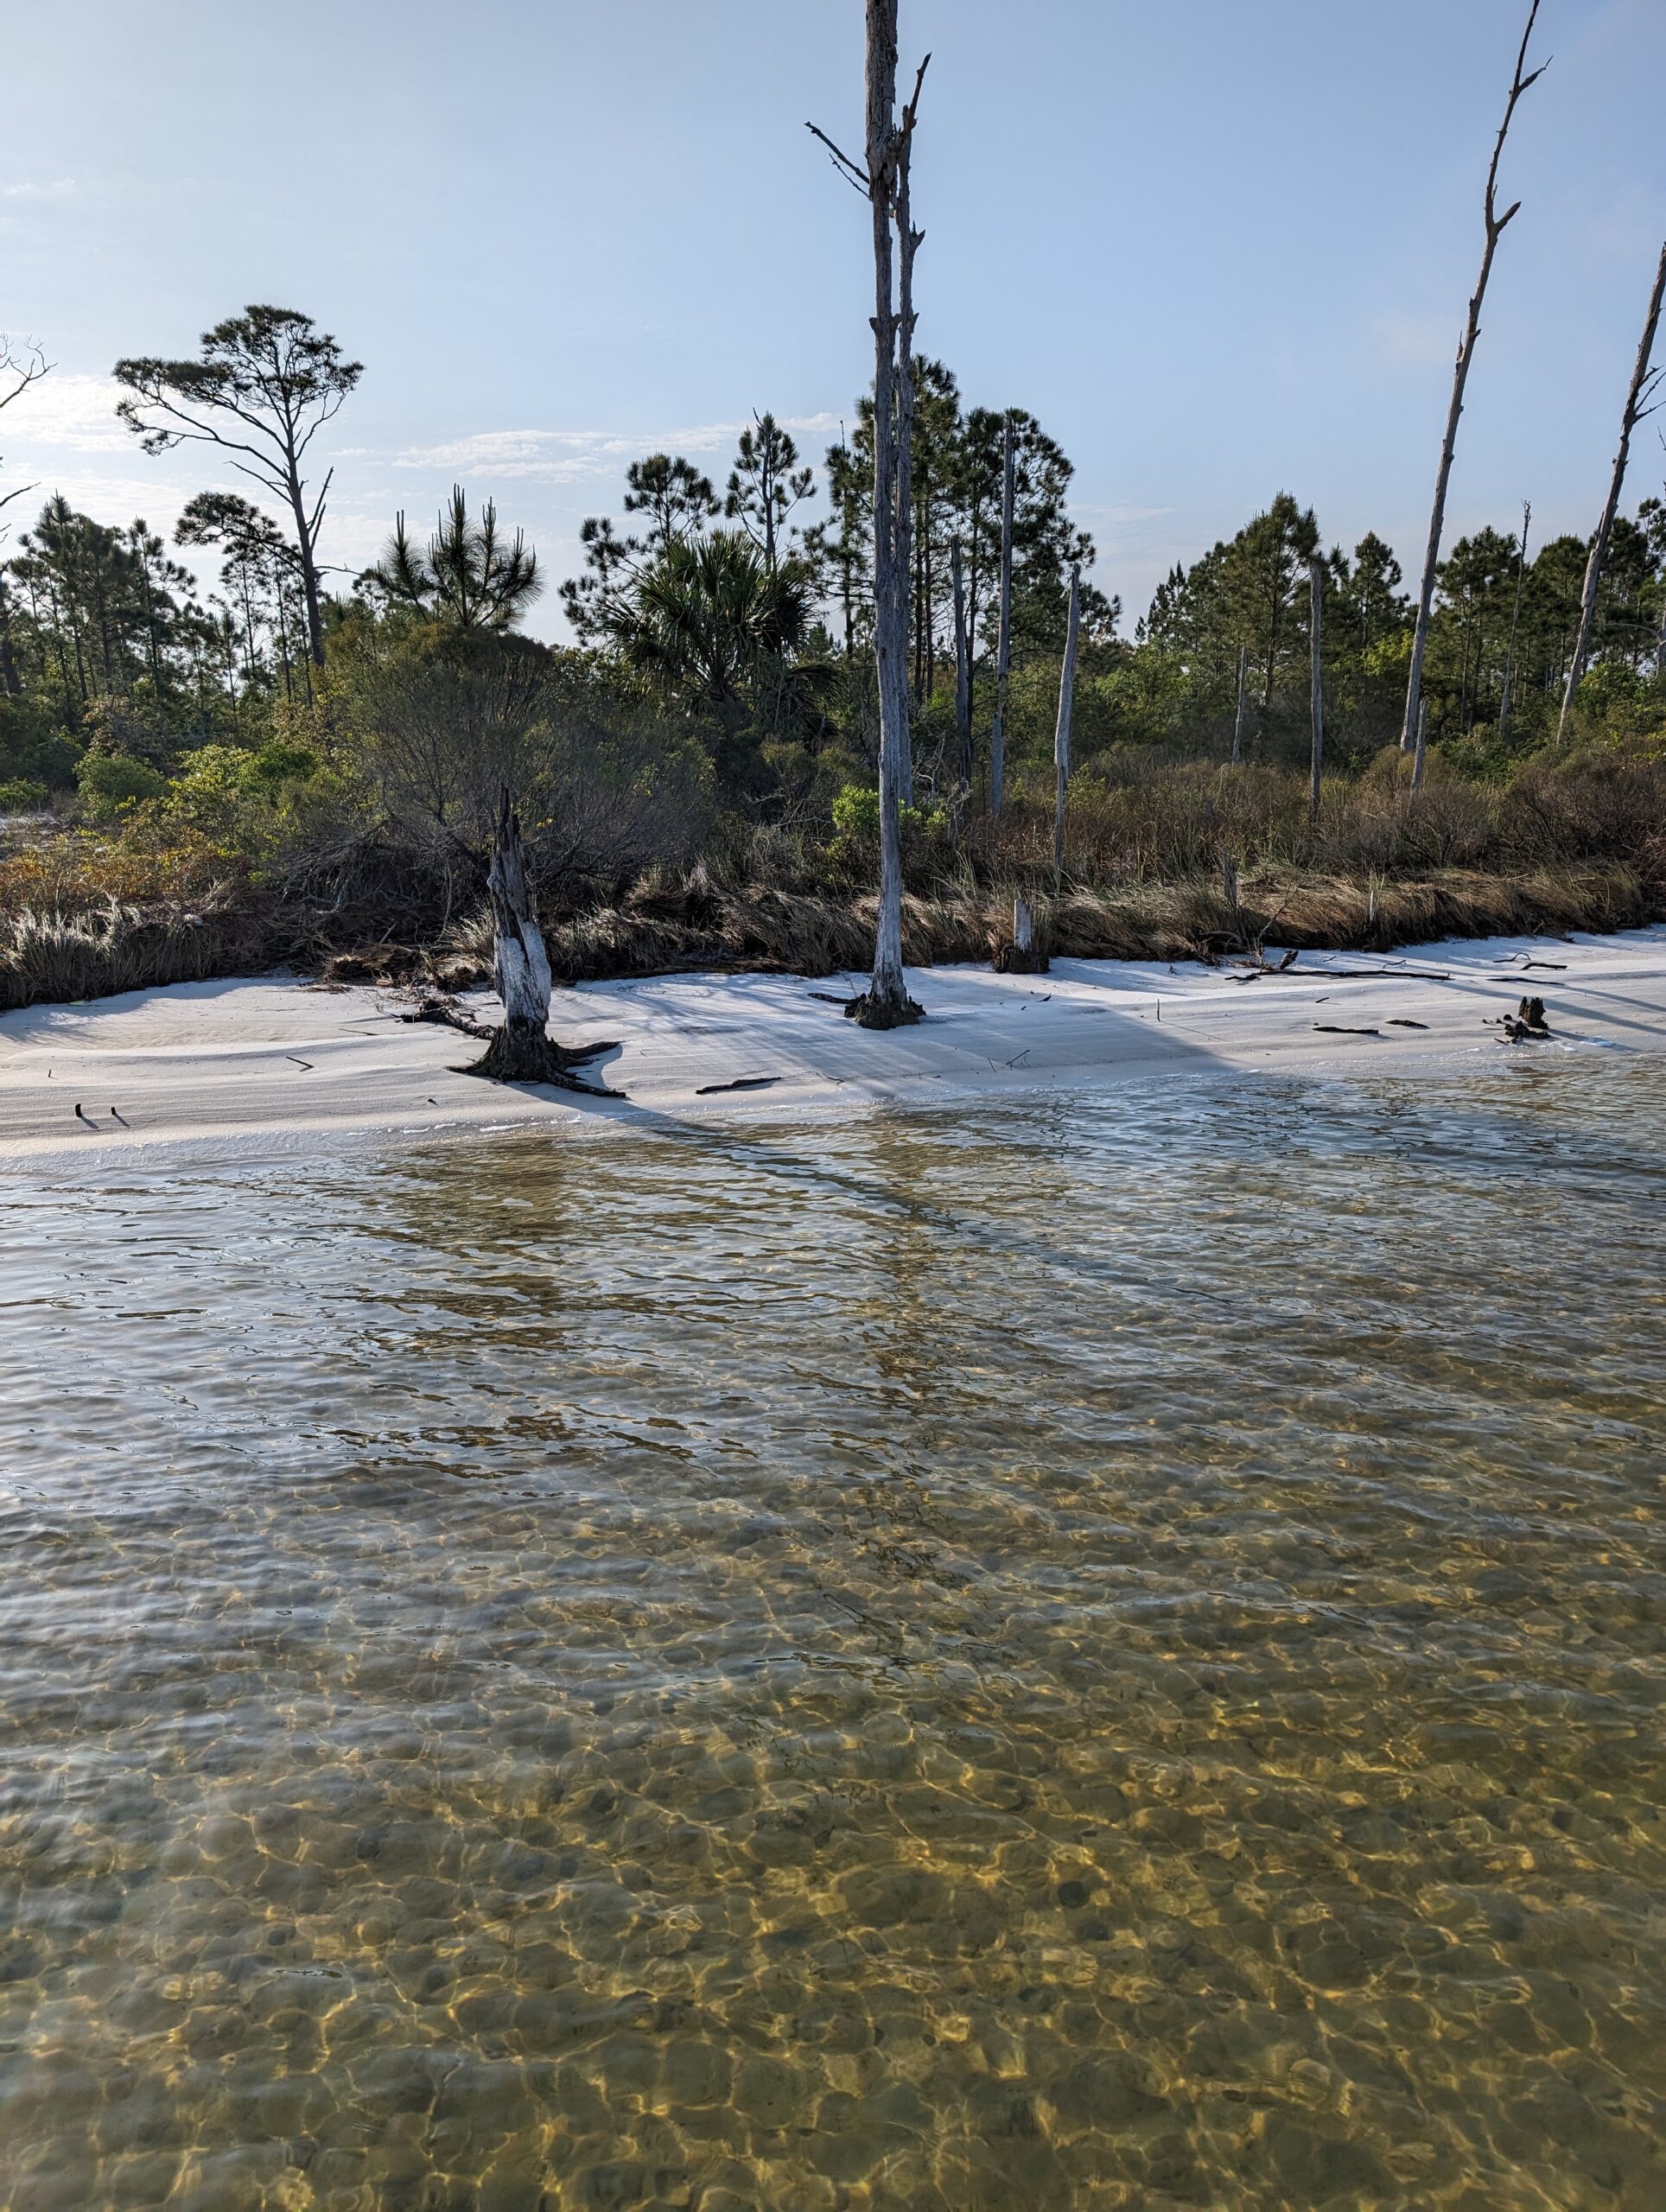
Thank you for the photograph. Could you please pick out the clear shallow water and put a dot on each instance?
(1075, 1654)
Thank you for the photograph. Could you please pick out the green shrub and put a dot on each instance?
(111, 781)
(17, 795)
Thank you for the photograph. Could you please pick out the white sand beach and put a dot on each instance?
(273, 1064)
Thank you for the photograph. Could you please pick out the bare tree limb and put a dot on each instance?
(1643, 384)
(1496, 225)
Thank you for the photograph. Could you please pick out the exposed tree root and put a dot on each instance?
(519, 1052)
(872, 1011)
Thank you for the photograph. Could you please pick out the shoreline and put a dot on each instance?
(272, 1063)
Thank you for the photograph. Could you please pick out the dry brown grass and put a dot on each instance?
(1575, 844)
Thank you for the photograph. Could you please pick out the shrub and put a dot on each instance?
(111, 781)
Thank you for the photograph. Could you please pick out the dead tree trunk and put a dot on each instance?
(1420, 754)
(520, 1051)
(1495, 230)
(1644, 381)
(962, 674)
(1515, 622)
(1316, 603)
(1003, 652)
(1243, 706)
(1061, 731)
(882, 177)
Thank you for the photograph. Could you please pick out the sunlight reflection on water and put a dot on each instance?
(1098, 1651)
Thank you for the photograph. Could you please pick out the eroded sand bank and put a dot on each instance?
(272, 1063)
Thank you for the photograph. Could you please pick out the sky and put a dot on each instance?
(1222, 248)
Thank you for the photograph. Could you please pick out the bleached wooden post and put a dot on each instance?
(1644, 383)
(1061, 730)
(962, 674)
(1003, 652)
(1495, 230)
(1418, 757)
(1515, 622)
(1023, 930)
(1244, 704)
(1316, 604)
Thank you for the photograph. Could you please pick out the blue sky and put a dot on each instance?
(1220, 247)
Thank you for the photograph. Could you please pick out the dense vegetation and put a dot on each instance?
(267, 769)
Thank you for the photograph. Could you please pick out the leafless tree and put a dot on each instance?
(1243, 708)
(883, 178)
(1515, 622)
(1496, 225)
(22, 363)
(963, 673)
(1639, 402)
(1003, 649)
(1420, 754)
(1061, 731)
(1315, 644)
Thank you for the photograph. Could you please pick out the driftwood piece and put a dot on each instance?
(1527, 1025)
(741, 1083)
(448, 1015)
(1340, 1029)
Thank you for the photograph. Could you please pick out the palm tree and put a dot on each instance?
(470, 578)
(710, 623)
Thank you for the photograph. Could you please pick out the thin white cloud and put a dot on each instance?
(1415, 340)
(570, 457)
(67, 414)
(55, 190)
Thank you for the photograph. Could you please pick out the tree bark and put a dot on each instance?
(886, 1003)
(520, 1051)
(1003, 657)
(1643, 384)
(1243, 708)
(1495, 230)
(1061, 730)
(1316, 602)
(1419, 756)
(962, 674)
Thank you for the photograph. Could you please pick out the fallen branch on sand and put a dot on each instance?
(1339, 1029)
(741, 1083)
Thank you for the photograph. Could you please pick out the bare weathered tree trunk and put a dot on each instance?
(1420, 754)
(963, 675)
(907, 245)
(1515, 622)
(1316, 602)
(1644, 383)
(520, 1051)
(1243, 706)
(883, 176)
(1061, 730)
(1495, 230)
(1003, 652)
